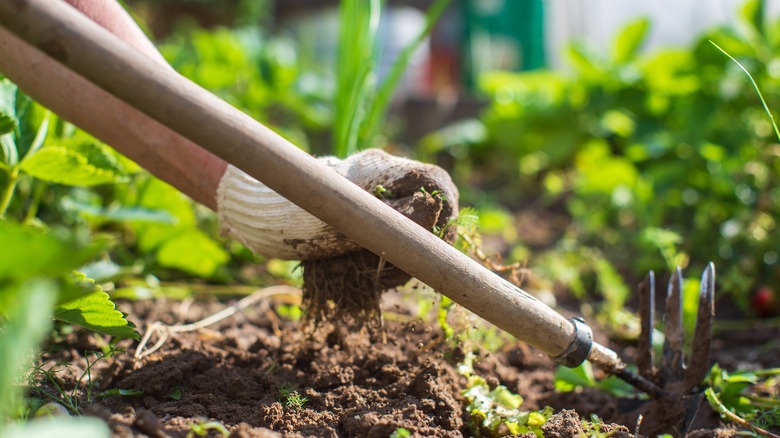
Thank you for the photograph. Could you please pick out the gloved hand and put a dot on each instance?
(271, 225)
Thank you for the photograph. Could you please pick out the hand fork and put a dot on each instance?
(678, 380)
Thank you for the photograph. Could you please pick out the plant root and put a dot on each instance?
(347, 290)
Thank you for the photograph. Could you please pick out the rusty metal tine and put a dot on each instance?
(699, 362)
(673, 343)
(645, 356)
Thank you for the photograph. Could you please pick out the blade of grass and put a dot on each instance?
(380, 105)
(755, 85)
(357, 51)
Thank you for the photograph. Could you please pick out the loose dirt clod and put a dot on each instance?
(346, 290)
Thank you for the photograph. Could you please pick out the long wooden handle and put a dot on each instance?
(81, 45)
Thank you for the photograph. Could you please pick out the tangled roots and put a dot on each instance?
(346, 290)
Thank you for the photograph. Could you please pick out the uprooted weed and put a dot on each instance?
(346, 290)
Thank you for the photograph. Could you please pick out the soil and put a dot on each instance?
(347, 289)
(235, 373)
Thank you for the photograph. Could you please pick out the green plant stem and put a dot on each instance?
(723, 410)
(755, 85)
(8, 190)
(37, 195)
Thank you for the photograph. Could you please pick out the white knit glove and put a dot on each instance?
(271, 225)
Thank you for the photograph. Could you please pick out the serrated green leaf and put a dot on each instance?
(29, 252)
(193, 252)
(63, 165)
(96, 312)
(75, 285)
(629, 40)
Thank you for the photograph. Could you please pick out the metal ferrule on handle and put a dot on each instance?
(81, 45)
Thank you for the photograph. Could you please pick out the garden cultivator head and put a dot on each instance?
(675, 389)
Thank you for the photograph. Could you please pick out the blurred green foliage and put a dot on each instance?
(659, 158)
(257, 73)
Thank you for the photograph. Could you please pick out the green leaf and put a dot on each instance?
(28, 310)
(175, 394)
(752, 15)
(83, 166)
(75, 285)
(33, 120)
(8, 111)
(158, 195)
(96, 312)
(629, 39)
(115, 213)
(602, 172)
(193, 252)
(29, 252)
(585, 62)
(356, 82)
(568, 379)
(7, 123)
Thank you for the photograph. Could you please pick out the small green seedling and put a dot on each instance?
(202, 428)
(400, 433)
(382, 193)
(289, 397)
(749, 399)
(497, 408)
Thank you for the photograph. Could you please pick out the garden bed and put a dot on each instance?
(252, 372)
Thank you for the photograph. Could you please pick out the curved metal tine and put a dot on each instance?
(645, 357)
(673, 342)
(699, 362)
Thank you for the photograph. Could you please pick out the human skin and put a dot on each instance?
(169, 156)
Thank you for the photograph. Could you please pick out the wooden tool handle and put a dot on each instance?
(67, 36)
